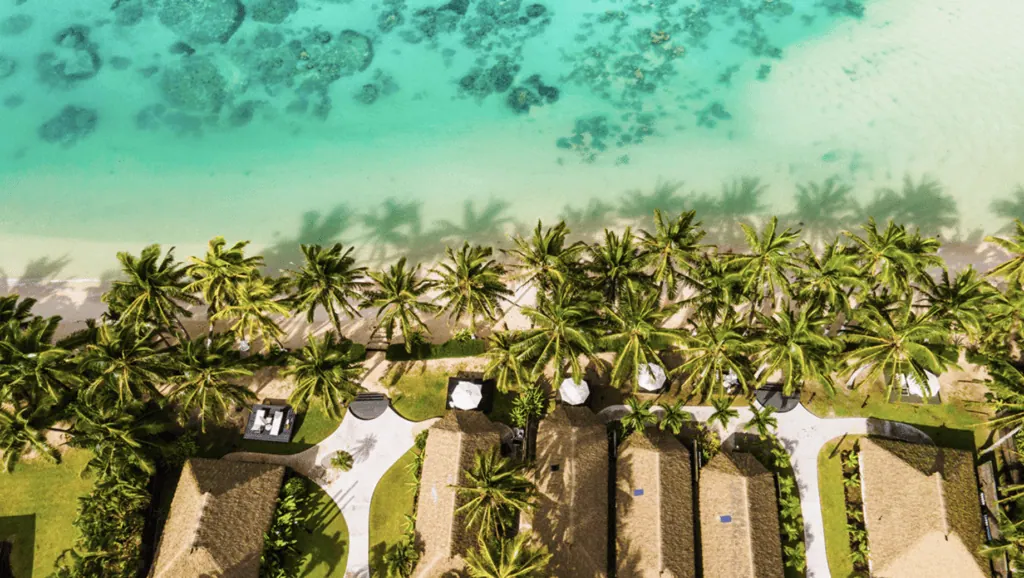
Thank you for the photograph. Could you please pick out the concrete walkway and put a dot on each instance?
(375, 446)
(804, 435)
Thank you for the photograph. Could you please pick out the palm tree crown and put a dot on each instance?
(328, 279)
(517, 557)
(399, 297)
(671, 250)
(324, 370)
(155, 292)
(205, 379)
(495, 489)
(470, 284)
(217, 275)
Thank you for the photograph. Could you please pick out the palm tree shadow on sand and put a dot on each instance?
(316, 228)
(924, 205)
(1010, 209)
(488, 226)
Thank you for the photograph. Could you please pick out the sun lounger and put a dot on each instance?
(259, 422)
(276, 428)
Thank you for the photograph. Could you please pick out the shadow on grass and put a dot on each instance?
(17, 545)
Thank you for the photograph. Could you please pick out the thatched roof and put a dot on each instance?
(921, 510)
(654, 508)
(451, 446)
(571, 475)
(220, 511)
(739, 519)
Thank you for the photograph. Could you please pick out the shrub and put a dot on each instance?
(279, 558)
(453, 348)
(463, 335)
(174, 455)
(342, 460)
(528, 405)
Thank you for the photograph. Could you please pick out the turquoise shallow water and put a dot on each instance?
(404, 124)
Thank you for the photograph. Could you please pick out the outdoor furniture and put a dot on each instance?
(470, 392)
(574, 393)
(651, 377)
(270, 423)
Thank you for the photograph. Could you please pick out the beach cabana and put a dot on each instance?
(651, 377)
(921, 510)
(220, 512)
(654, 508)
(467, 395)
(572, 392)
(451, 447)
(571, 475)
(739, 519)
(470, 393)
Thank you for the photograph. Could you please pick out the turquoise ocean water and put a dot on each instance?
(400, 125)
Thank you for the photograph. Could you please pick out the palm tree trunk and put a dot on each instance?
(334, 318)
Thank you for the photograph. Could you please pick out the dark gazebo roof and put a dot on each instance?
(487, 389)
(771, 394)
(269, 415)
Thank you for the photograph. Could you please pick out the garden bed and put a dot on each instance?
(857, 535)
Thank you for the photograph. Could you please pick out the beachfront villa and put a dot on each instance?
(739, 519)
(920, 510)
(654, 508)
(571, 475)
(451, 446)
(220, 512)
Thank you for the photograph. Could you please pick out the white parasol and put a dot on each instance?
(467, 395)
(651, 377)
(574, 393)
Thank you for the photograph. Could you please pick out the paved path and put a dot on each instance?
(375, 446)
(803, 434)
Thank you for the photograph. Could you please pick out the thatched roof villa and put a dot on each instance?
(921, 510)
(451, 446)
(571, 475)
(220, 511)
(654, 508)
(739, 519)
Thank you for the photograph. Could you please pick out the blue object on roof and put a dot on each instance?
(725, 519)
(638, 492)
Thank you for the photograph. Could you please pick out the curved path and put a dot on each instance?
(804, 435)
(375, 446)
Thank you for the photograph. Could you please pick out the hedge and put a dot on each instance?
(453, 348)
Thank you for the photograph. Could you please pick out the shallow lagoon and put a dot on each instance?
(401, 124)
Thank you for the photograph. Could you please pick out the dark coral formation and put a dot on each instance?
(272, 11)
(481, 82)
(533, 92)
(194, 85)
(202, 21)
(382, 85)
(8, 66)
(128, 12)
(70, 125)
(74, 59)
(15, 25)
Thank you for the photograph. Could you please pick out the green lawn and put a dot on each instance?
(324, 542)
(38, 503)
(833, 505)
(419, 394)
(393, 500)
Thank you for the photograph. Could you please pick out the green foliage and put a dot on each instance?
(325, 372)
(174, 455)
(280, 553)
(530, 405)
(495, 489)
(400, 558)
(328, 279)
(640, 416)
(518, 557)
(342, 460)
(452, 348)
(399, 296)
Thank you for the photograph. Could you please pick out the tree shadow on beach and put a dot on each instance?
(588, 219)
(636, 205)
(823, 209)
(316, 228)
(1010, 209)
(924, 205)
(740, 202)
(488, 226)
(391, 227)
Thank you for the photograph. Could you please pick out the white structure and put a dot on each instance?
(651, 377)
(467, 395)
(911, 386)
(574, 393)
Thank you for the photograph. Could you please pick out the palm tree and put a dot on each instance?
(400, 559)
(1010, 543)
(14, 311)
(1013, 269)
(616, 265)
(1007, 317)
(896, 342)
(763, 420)
(495, 489)
(217, 275)
(328, 279)
(715, 352)
(1006, 397)
(962, 301)
(517, 557)
(155, 292)
(828, 279)
(637, 328)
(324, 370)
(765, 269)
(120, 438)
(21, 432)
(560, 334)
(32, 368)
(504, 365)
(471, 285)
(206, 369)
(545, 259)
(123, 365)
(794, 342)
(724, 412)
(674, 417)
(671, 251)
(719, 290)
(639, 417)
(252, 314)
(399, 299)
(893, 257)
